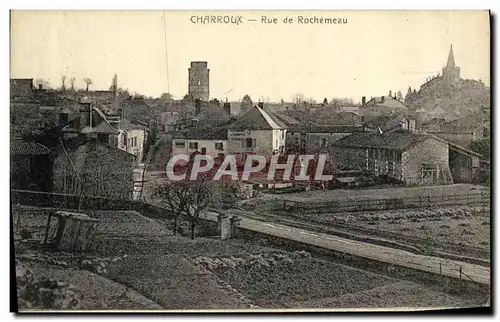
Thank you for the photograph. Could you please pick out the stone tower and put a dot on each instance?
(451, 73)
(199, 81)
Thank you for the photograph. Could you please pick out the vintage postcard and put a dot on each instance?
(260, 161)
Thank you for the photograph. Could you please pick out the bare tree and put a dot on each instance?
(298, 98)
(72, 83)
(88, 82)
(63, 82)
(114, 85)
(186, 198)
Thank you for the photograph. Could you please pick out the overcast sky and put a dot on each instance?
(373, 53)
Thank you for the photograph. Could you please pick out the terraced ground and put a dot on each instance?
(144, 267)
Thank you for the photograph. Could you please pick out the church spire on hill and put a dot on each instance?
(451, 58)
(451, 73)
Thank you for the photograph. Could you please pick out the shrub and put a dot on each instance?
(44, 293)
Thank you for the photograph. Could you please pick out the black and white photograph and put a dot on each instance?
(250, 161)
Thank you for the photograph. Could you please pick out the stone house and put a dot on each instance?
(402, 156)
(258, 131)
(383, 105)
(210, 140)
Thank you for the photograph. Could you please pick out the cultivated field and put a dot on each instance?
(144, 266)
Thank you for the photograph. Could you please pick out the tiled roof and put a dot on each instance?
(385, 123)
(387, 101)
(207, 132)
(22, 147)
(257, 118)
(288, 120)
(316, 128)
(124, 124)
(102, 128)
(467, 122)
(399, 140)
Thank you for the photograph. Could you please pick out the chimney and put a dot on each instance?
(261, 104)
(363, 100)
(382, 99)
(40, 87)
(197, 106)
(227, 108)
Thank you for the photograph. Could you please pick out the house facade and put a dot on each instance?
(258, 131)
(402, 156)
(132, 139)
(207, 139)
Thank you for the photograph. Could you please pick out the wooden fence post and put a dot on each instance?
(47, 228)
(441, 272)
(460, 274)
(482, 203)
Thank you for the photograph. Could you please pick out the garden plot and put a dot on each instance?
(272, 279)
(401, 294)
(459, 225)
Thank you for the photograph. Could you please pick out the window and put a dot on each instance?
(180, 144)
(135, 141)
(398, 156)
(193, 145)
(249, 142)
(219, 146)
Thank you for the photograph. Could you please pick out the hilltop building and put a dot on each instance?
(199, 81)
